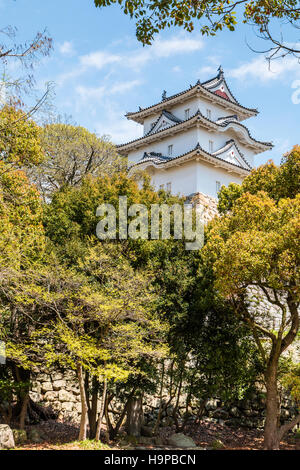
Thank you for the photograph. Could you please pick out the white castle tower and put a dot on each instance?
(194, 141)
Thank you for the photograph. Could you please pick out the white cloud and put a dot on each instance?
(207, 70)
(282, 145)
(259, 68)
(136, 58)
(176, 45)
(66, 48)
(212, 62)
(161, 49)
(98, 59)
(122, 87)
(67, 76)
(98, 100)
(2, 93)
(92, 94)
(176, 69)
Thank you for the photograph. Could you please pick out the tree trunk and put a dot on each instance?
(22, 377)
(134, 416)
(84, 408)
(200, 412)
(271, 432)
(160, 399)
(24, 408)
(99, 423)
(93, 410)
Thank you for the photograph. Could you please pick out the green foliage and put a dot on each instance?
(291, 381)
(152, 17)
(72, 152)
(92, 445)
(253, 253)
(262, 237)
(19, 138)
(277, 181)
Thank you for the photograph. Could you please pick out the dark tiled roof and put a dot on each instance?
(168, 115)
(217, 79)
(227, 119)
(200, 85)
(171, 116)
(157, 132)
(195, 149)
(198, 113)
(155, 156)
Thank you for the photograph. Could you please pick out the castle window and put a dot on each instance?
(161, 187)
(208, 113)
(169, 187)
(187, 113)
(211, 146)
(170, 150)
(218, 186)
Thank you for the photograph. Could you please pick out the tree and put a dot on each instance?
(22, 249)
(20, 143)
(277, 181)
(124, 321)
(152, 17)
(72, 152)
(254, 252)
(27, 55)
(19, 134)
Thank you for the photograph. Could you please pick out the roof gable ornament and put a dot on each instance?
(231, 153)
(164, 95)
(221, 72)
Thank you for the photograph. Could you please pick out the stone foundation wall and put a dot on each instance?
(60, 392)
(248, 413)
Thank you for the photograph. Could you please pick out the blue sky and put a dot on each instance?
(100, 71)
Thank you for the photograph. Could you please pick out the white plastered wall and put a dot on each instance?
(193, 177)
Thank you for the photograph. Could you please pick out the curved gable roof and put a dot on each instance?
(166, 119)
(216, 158)
(198, 119)
(209, 88)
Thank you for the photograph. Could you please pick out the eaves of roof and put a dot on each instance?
(197, 117)
(197, 151)
(139, 116)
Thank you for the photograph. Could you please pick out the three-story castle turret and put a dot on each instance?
(195, 141)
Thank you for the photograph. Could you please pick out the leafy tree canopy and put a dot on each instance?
(253, 250)
(154, 16)
(277, 181)
(20, 143)
(72, 152)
